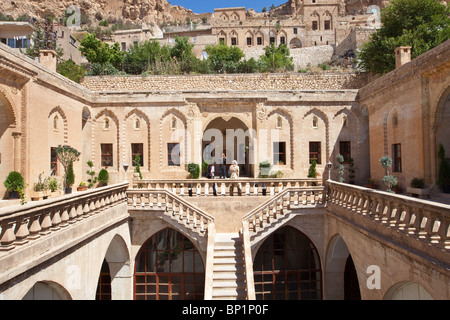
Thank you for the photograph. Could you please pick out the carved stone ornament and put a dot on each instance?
(261, 112)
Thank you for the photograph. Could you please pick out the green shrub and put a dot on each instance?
(312, 169)
(70, 177)
(103, 176)
(418, 183)
(194, 170)
(14, 181)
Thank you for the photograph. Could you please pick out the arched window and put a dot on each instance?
(173, 124)
(137, 124)
(106, 124)
(279, 122)
(55, 122)
(169, 267)
(315, 123)
(287, 267)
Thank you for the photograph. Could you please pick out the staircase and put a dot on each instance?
(228, 281)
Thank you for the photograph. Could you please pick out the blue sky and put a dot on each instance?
(202, 6)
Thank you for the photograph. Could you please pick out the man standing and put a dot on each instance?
(223, 167)
(212, 170)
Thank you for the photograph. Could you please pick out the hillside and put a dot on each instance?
(138, 11)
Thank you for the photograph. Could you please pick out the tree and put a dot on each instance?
(224, 59)
(182, 52)
(421, 24)
(276, 59)
(97, 51)
(140, 57)
(71, 70)
(67, 156)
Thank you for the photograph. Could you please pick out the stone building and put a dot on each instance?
(100, 243)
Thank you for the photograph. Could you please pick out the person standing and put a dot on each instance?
(234, 170)
(223, 167)
(211, 173)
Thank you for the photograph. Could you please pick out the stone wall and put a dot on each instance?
(235, 82)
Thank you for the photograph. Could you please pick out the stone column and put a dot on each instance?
(16, 147)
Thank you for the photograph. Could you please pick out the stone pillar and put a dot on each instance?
(16, 146)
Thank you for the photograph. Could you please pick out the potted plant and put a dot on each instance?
(264, 168)
(103, 177)
(312, 169)
(396, 188)
(371, 183)
(388, 180)
(340, 168)
(82, 186)
(444, 171)
(70, 178)
(91, 173)
(137, 167)
(53, 186)
(39, 189)
(67, 156)
(14, 183)
(351, 172)
(417, 188)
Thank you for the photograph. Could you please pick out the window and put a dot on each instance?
(279, 153)
(327, 25)
(272, 40)
(107, 154)
(345, 150)
(222, 40)
(106, 124)
(396, 157)
(234, 41)
(173, 123)
(314, 152)
(279, 122)
(137, 149)
(169, 267)
(249, 41)
(55, 122)
(137, 124)
(173, 154)
(124, 46)
(282, 40)
(315, 122)
(315, 25)
(295, 30)
(53, 162)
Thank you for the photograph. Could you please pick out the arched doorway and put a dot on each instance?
(341, 280)
(231, 137)
(442, 136)
(287, 267)
(47, 291)
(407, 290)
(169, 267)
(104, 283)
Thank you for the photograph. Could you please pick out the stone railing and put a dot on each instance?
(226, 187)
(172, 205)
(22, 224)
(282, 203)
(413, 218)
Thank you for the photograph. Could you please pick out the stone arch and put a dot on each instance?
(250, 34)
(292, 242)
(295, 43)
(140, 114)
(321, 115)
(259, 34)
(339, 271)
(111, 115)
(224, 17)
(179, 115)
(118, 259)
(59, 111)
(233, 34)
(328, 15)
(222, 34)
(187, 265)
(283, 33)
(47, 290)
(440, 130)
(288, 116)
(315, 17)
(235, 16)
(10, 109)
(407, 290)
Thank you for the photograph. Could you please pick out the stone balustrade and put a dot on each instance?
(415, 218)
(174, 206)
(283, 203)
(226, 187)
(22, 224)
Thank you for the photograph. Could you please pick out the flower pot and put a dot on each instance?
(421, 193)
(37, 195)
(82, 188)
(68, 190)
(14, 195)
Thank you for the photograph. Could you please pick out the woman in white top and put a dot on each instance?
(234, 170)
